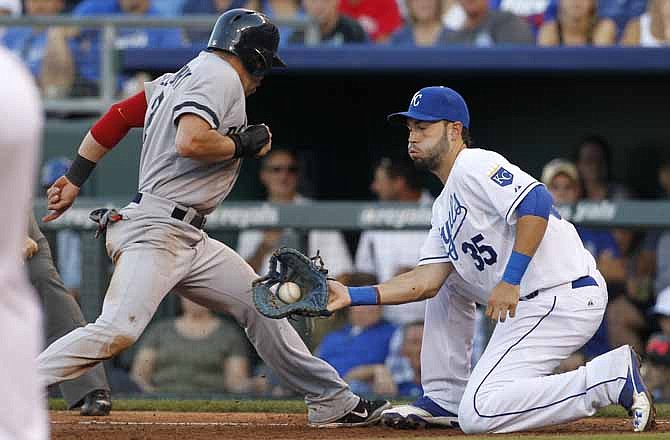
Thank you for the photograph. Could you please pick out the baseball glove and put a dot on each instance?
(308, 273)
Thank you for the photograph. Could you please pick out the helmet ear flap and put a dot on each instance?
(255, 61)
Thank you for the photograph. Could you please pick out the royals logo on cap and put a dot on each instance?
(435, 104)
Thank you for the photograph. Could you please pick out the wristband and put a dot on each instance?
(364, 296)
(80, 169)
(516, 267)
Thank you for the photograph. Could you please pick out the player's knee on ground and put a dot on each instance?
(470, 414)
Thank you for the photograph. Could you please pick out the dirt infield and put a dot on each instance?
(122, 425)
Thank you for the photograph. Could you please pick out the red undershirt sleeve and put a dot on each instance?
(119, 119)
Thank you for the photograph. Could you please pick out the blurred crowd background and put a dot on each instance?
(188, 351)
(66, 60)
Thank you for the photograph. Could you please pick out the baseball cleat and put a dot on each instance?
(96, 403)
(365, 413)
(636, 398)
(423, 413)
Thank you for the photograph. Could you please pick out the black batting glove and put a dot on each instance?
(251, 141)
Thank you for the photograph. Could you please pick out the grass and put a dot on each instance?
(273, 406)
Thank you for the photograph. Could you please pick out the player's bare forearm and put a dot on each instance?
(504, 298)
(418, 284)
(62, 194)
(529, 232)
(197, 140)
(91, 149)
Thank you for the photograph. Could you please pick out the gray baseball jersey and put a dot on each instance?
(155, 253)
(208, 87)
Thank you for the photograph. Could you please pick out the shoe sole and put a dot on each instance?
(99, 411)
(413, 421)
(651, 421)
(371, 420)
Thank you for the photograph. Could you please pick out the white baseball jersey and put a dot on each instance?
(473, 227)
(210, 88)
(23, 414)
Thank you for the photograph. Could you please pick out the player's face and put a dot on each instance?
(427, 142)
(563, 189)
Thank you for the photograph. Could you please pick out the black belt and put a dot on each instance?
(584, 281)
(197, 221)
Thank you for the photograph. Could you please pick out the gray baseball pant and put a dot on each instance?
(62, 314)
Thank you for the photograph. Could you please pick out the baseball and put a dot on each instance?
(289, 292)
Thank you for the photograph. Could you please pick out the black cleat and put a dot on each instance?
(96, 403)
(364, 414)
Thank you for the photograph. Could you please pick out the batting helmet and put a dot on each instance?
(251, 36)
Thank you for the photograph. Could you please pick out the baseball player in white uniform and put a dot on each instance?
(23, 414)
(195, 133)
(497, 240)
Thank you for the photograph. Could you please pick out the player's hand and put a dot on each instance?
(30, 248)
(267, 147)
(504, 298)
(338, 296)
(60, 196)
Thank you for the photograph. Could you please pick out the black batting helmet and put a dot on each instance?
(251, 36)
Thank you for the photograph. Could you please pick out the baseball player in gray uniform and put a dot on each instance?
(195, 133)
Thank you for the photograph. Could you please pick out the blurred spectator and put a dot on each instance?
(200, 36)
(658, 349)
(170, 8)
(594, 162)
(423, 26)
(360, 348)
(628, 312)
(45, 51)
(387, 253)
(336, 29)
(279, 175)
(10, 7)
(621, 11)
(379, 18)
(88, 45)
(283, 9)
(562, 180)
(485, 27)
(7, 8)
(453, 15)
(577, 24)
(651, 29)
(196, 352)
(535, 12)
(401, 373)
(68, 241)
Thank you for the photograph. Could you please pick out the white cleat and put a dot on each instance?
(636, 398)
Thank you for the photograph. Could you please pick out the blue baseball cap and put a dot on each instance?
(435, 104)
